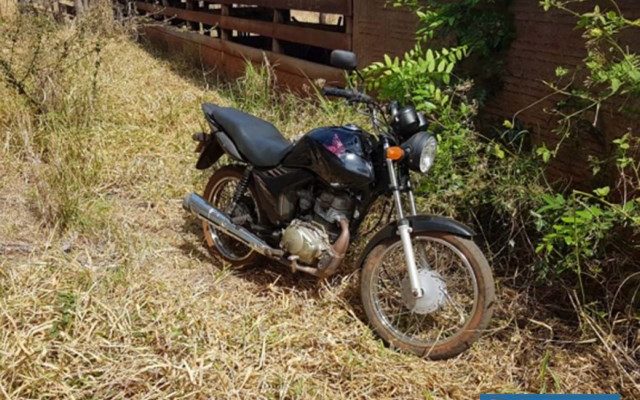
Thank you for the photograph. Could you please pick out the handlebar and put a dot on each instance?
(349, 94)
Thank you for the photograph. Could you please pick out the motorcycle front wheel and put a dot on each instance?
(457, 301)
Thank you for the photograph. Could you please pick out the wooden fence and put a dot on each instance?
(294, 36)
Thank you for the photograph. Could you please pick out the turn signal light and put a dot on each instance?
(395, 153)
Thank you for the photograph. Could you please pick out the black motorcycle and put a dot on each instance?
(425, 285)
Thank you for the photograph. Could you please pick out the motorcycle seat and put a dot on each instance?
(258, 141)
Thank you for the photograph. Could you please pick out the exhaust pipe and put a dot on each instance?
(201, 208)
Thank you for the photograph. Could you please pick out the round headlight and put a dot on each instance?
(428, 154)
(421, 151)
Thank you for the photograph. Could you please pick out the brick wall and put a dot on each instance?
(380, 30)
(544, 40)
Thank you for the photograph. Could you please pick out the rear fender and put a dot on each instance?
(211, 153)
(419, 223)
(212, 150)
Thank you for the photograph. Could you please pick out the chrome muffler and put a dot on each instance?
(202, 209)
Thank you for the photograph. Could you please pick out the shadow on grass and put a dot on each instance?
(186, 65)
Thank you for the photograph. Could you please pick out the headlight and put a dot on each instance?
(421, 151)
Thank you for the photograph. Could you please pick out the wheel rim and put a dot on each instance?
(221, 197)
(436, 257)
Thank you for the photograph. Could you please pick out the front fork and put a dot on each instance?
(404, 229)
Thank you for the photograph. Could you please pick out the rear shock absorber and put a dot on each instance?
(240, 189)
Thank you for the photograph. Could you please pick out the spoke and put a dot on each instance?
(413, 324)
(401, 313)
(457, 306)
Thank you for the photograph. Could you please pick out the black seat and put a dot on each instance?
(259, 142)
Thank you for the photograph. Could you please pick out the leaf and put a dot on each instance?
(561, 71)
(450, 67)
(544, 153)
(442, 66)
(387, 60)
(603, 191)
(615, 85)
(430, 58)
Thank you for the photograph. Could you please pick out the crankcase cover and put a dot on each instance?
(306, 240)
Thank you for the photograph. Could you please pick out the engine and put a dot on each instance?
(306, 240)
(331, 208)
(310, 237)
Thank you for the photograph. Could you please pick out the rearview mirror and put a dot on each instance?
(344, 59)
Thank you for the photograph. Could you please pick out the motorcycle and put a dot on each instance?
(425, 285)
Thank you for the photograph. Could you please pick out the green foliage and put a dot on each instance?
(579, 228)
(418, 77)
(472, 173)
(479, 25)
(610, 69)
(484, 28)
(563, 235)
(66, 302)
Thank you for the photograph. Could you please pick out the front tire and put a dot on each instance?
(457, 312)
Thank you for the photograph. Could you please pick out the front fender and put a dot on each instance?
(419, 223)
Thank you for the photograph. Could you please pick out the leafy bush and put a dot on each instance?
(579, 229)
(496, 182)
(418, 77)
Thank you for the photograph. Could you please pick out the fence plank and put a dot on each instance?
(231, 57)
(292, 33)
(325, 6)
(180, 13)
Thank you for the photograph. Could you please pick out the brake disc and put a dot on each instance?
(434, 291)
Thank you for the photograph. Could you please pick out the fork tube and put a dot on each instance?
(404, 230)
(395, 189)
(412, 200)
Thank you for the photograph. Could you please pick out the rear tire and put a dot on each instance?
(218, 244)
(462, 336)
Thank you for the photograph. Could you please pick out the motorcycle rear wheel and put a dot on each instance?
(219, 192)
(459, 288)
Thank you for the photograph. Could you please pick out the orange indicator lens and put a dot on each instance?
(395, 153)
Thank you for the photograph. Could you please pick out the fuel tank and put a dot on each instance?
(339, 155)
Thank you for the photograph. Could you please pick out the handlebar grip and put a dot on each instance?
(363, 98)
(337, 92)
(349, 94)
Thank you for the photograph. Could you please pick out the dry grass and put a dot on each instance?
(124, 302)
